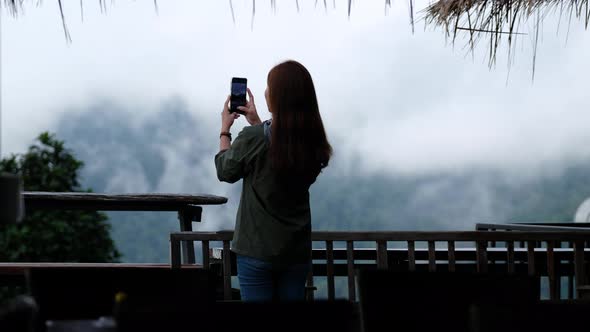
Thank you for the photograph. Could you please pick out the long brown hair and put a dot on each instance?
(299, 148)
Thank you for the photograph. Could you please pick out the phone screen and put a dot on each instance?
(238, 94)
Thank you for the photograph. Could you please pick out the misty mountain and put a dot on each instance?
(171, 149)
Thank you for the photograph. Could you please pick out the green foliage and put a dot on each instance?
(54, 236)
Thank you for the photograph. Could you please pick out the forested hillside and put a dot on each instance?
(172, 150)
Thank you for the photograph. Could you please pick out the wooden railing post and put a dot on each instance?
(350, 266)
(205, 251)
(174, 252)
(570, 278)
(531, 257)
(553, 280)
(411, 256)
(330, 270)
(310, 288)
(482, 257)
(431, 256)
(510, 256)
(579, 268)
(226, 271)
(382, 255)
(451, 255)
(186, 216)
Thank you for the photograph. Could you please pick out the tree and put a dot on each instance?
(54, 236)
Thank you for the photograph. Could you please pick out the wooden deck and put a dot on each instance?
(554, 252)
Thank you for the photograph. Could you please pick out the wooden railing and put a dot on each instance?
(465, 251)
(530, 227)
(546, 227)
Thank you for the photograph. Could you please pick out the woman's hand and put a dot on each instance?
(250, 110)
(227, 118)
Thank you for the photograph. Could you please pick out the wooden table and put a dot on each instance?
(188, 206)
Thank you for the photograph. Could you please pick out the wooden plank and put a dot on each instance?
(204, 236)
(226, 271)
(350, 265)
(330, 270)
(341, 270)
(531, 257)
(584, 292)
(580, 273)
(205, 251)
(553, 294)
(558, 268)
(482, 259)
(556, 227)
(431, 257)
(570, 278)
(421, 254)
(411, 255)
(382, 255)
(510, 256)
(451, 256)
(116, 202)
(365, 257)
(185, 218)
(191, 212)
(464, 236)
(492, 243)
(18, 268)
(463, 253)
(558, 285)
(174, 252)
(411, 236)
(309, 289)
(560, 224)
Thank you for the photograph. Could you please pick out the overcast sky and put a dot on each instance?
(393, 101)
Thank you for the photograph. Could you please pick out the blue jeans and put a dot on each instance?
(261, 281)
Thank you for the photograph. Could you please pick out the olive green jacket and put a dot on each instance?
(273, 222)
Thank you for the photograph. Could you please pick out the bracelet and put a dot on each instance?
(225, 133)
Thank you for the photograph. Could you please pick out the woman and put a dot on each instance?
(278, 161)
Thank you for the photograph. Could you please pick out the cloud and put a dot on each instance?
(395, 101)
(425, 135)
(171, 151)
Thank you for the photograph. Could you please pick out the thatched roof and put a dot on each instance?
(493, 20)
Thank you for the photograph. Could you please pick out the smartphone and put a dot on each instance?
(238, 94)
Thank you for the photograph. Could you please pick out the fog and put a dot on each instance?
(425, 134)
(395, 101)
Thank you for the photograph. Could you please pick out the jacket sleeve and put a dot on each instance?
(232, 164)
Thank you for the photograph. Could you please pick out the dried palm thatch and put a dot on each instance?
(500, 19)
